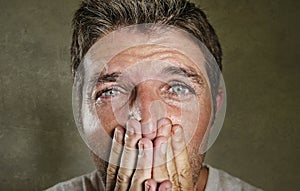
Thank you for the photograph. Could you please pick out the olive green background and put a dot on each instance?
(40, 145)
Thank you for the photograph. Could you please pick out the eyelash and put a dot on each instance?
(179, 84)
(100, 93)
(166, 88)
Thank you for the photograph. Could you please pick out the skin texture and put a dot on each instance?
(146, 160)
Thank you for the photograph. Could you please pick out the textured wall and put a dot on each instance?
(39, 141)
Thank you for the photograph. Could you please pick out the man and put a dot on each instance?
(147, 94)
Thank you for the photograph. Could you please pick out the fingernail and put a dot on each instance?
(177, 133)
(168, 188)
(118, 135)
(177, 129)
(163, 123)
(141, 149)
(130, 130)
(163, 148)
(147, 186)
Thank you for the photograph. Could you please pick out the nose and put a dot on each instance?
(150, 107)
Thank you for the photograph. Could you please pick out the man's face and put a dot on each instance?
(149, 82)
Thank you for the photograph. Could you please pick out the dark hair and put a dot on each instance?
(95, 18)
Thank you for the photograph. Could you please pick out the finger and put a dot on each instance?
(129, 155)
(144, 164)
(164, 127)
(150, 185)
(114, 158)
(160, 171)
(185, 177)
(165, 186)
(171, 167)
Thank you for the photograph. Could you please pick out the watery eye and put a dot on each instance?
(108, 93)
(179, 89)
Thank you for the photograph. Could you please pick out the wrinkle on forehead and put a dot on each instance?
(160, 39)
(146, 53)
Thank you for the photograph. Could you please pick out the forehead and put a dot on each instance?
(139, 42)
(148, 57)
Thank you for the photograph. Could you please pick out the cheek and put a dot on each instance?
(107, 118)
(203, 120)
(194, 118)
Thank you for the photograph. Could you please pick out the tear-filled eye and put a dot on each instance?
(179, 89)
(108, 93)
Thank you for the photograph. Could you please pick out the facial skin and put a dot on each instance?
(178, 94)
(169, 91)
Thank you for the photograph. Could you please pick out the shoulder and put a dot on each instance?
(87, 182)
(218, 180)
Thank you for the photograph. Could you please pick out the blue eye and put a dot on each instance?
(179, 89)
(108, 93)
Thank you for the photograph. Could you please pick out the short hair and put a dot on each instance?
(96, 18)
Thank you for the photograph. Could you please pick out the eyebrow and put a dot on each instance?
(184, 72)
(173, 70)
(112, 77)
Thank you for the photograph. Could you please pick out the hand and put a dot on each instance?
(175, 166)
(126, 177)
(163, 175)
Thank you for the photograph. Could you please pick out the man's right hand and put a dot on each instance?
(126, 177)
(139, 169)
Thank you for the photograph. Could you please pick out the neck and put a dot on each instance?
(202, 180)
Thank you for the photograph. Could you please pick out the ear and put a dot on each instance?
(219, 100)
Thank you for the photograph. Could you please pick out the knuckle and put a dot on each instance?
(111, 171)
(123, 178)
(131, 141)
(184, 173)
(174, 180)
